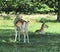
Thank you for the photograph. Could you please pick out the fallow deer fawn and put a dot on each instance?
(41, 30)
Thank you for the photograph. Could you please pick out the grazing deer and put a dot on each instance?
(21, 26)
(41, 30)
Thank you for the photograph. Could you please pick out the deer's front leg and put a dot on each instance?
(16, 35)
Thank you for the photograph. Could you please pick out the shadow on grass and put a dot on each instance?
(36, 40)
(47, 42)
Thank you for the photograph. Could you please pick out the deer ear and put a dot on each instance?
(27, 21)
(44, 22)
(21, 17)
(17, 13)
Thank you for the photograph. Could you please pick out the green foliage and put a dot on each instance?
(44, 8)
(28, 6)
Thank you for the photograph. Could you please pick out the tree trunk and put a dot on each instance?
(58, 16)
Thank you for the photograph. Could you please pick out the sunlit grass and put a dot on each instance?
(34, 23)
(53, 27)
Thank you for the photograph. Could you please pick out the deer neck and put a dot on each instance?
(42, 29)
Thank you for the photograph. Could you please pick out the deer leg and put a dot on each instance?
(24, 37)
(16, 35)
(27, 36)
(19, 36)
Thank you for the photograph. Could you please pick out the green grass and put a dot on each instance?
(49, 42)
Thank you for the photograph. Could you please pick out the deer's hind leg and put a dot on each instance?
(19, 36)
(24, 34)
(27, 37)
(24, 37)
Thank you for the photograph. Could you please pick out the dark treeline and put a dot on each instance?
(29, 6)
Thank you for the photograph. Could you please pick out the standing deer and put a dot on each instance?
(41, 30)
(21, 26)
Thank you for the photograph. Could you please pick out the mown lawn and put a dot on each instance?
(49, 42)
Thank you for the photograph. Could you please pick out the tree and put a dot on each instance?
(28, 6)
(58, 16)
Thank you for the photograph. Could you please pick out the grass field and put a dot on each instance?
(49, 42)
